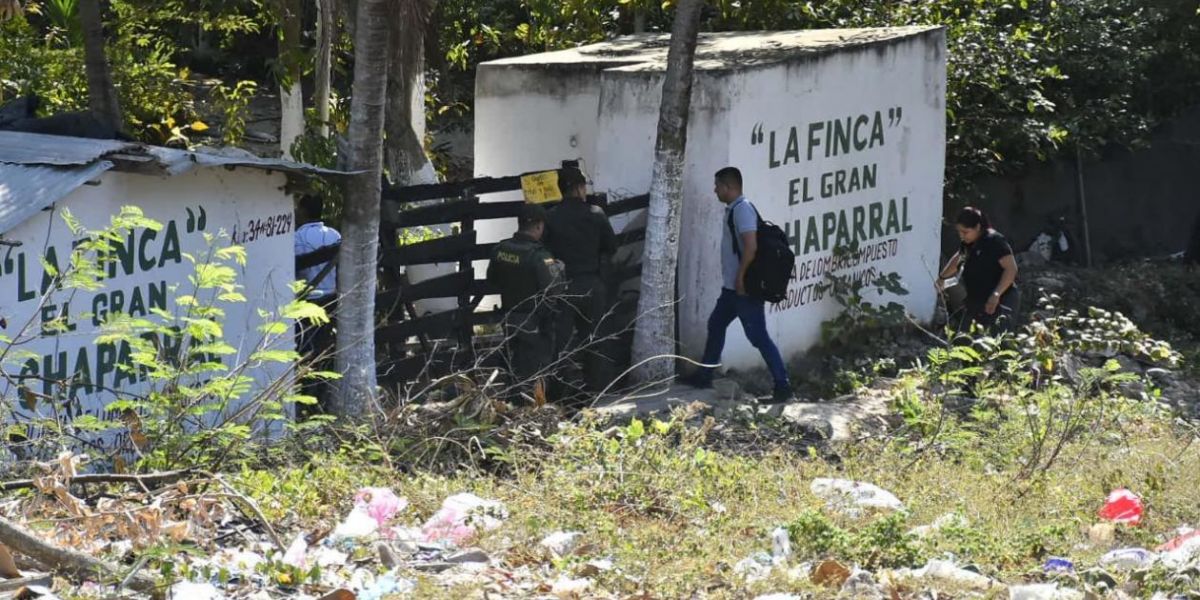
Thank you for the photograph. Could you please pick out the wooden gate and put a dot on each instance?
(410, 344)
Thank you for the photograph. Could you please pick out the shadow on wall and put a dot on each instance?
(1140, 203)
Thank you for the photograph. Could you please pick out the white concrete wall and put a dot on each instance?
(248, 204)
(905, 78)
(521, 124)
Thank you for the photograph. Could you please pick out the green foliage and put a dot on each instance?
(859, 318)
(155, 102)
(884, 542)
(1027, 80)
(233, 102)
(203, 400)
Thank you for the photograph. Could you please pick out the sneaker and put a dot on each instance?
(781, 396)
(697, 380)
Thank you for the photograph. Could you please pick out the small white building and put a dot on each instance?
(840, 135)
(235, 198)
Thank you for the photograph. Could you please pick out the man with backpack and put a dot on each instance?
(740, 299)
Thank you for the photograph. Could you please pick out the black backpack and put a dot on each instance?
(768, 275)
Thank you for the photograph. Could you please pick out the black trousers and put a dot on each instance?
(1004, 320)
(582, 329)
(529, 346)
(316, 343)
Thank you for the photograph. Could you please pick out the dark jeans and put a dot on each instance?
(751, 312)
(1004, 320)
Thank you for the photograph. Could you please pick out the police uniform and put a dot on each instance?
(581, 236)
(522, 269)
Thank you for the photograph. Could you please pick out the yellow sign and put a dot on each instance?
(541, 187)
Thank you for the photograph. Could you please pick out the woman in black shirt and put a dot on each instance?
(989, 274)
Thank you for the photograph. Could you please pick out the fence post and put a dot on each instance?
(466, 331)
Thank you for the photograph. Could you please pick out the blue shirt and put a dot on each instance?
(745, 220)
(311, 237)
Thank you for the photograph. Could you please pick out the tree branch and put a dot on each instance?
(70, 562)
(148, 478)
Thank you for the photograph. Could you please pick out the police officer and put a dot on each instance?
(581, 236)
(526, 274)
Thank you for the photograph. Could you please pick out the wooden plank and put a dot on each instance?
(437, 325)
(630, 204)
(481, 287)
(411, 367)
(436, 214)
(446, 286)
(631, 236)
(482, 251)
(486, 317)
(627, 273)
(439, 287)
(447, 249)
(434, 191)
(465, 331)
(318, 256)
(456, 211)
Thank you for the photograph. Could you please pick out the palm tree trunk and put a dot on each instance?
(325, 34)
(358, 261)
(404, 152)
(655, 333)
(102, 94)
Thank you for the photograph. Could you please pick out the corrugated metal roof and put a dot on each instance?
(19, 148)
(27, 189)
(37, 170)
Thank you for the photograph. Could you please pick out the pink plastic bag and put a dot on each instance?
(1123, 506)
(1178, 542)
(381, 503)
(461, 517)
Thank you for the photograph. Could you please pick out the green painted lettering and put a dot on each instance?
(860, 219)
(904, 209)
(893, 218)
(828, 229)
(875, 219)
(137, 306)
(82, 378)
(841, 137)
(170, 249)
(158, 295)
(124, 255)
(106, 358)
(144, 263)
(860, 141)
(793, 148)
(771, 162)
(23, 291)
(99, 309)
(124, 368)
(812, 240)
(53, 371)
(814, 138)
(827, 185)
(877, 130)
(51, 259)
(843, 229)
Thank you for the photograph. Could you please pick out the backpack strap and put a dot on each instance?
(733, 235)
